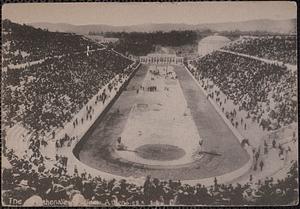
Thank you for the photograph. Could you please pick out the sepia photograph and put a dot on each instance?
(149, 104)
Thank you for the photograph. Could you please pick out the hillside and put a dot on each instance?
(274, 26)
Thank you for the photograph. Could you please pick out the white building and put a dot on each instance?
(163, 59)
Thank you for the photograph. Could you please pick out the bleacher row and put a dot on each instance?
(23, 183)
(279, 48)
(45, 95)
(268, 92)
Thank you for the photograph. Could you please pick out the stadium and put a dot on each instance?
(98, 125)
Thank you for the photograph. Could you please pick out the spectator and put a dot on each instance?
(281, 48)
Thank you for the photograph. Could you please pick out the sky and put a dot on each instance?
(121, 14)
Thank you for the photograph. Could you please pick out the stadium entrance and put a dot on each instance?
(161, 59)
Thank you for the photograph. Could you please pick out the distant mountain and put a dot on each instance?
(275, 26)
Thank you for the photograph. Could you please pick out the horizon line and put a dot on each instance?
(155, 23)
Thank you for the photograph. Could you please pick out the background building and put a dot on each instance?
(161, 59)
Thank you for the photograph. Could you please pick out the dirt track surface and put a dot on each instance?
(96, 149)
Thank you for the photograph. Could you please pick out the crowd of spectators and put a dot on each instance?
(23, 43)
(280, 48)
(46, 95)
(23, 181)
(267, 92)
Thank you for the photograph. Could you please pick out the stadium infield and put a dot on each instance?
(200, 121)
